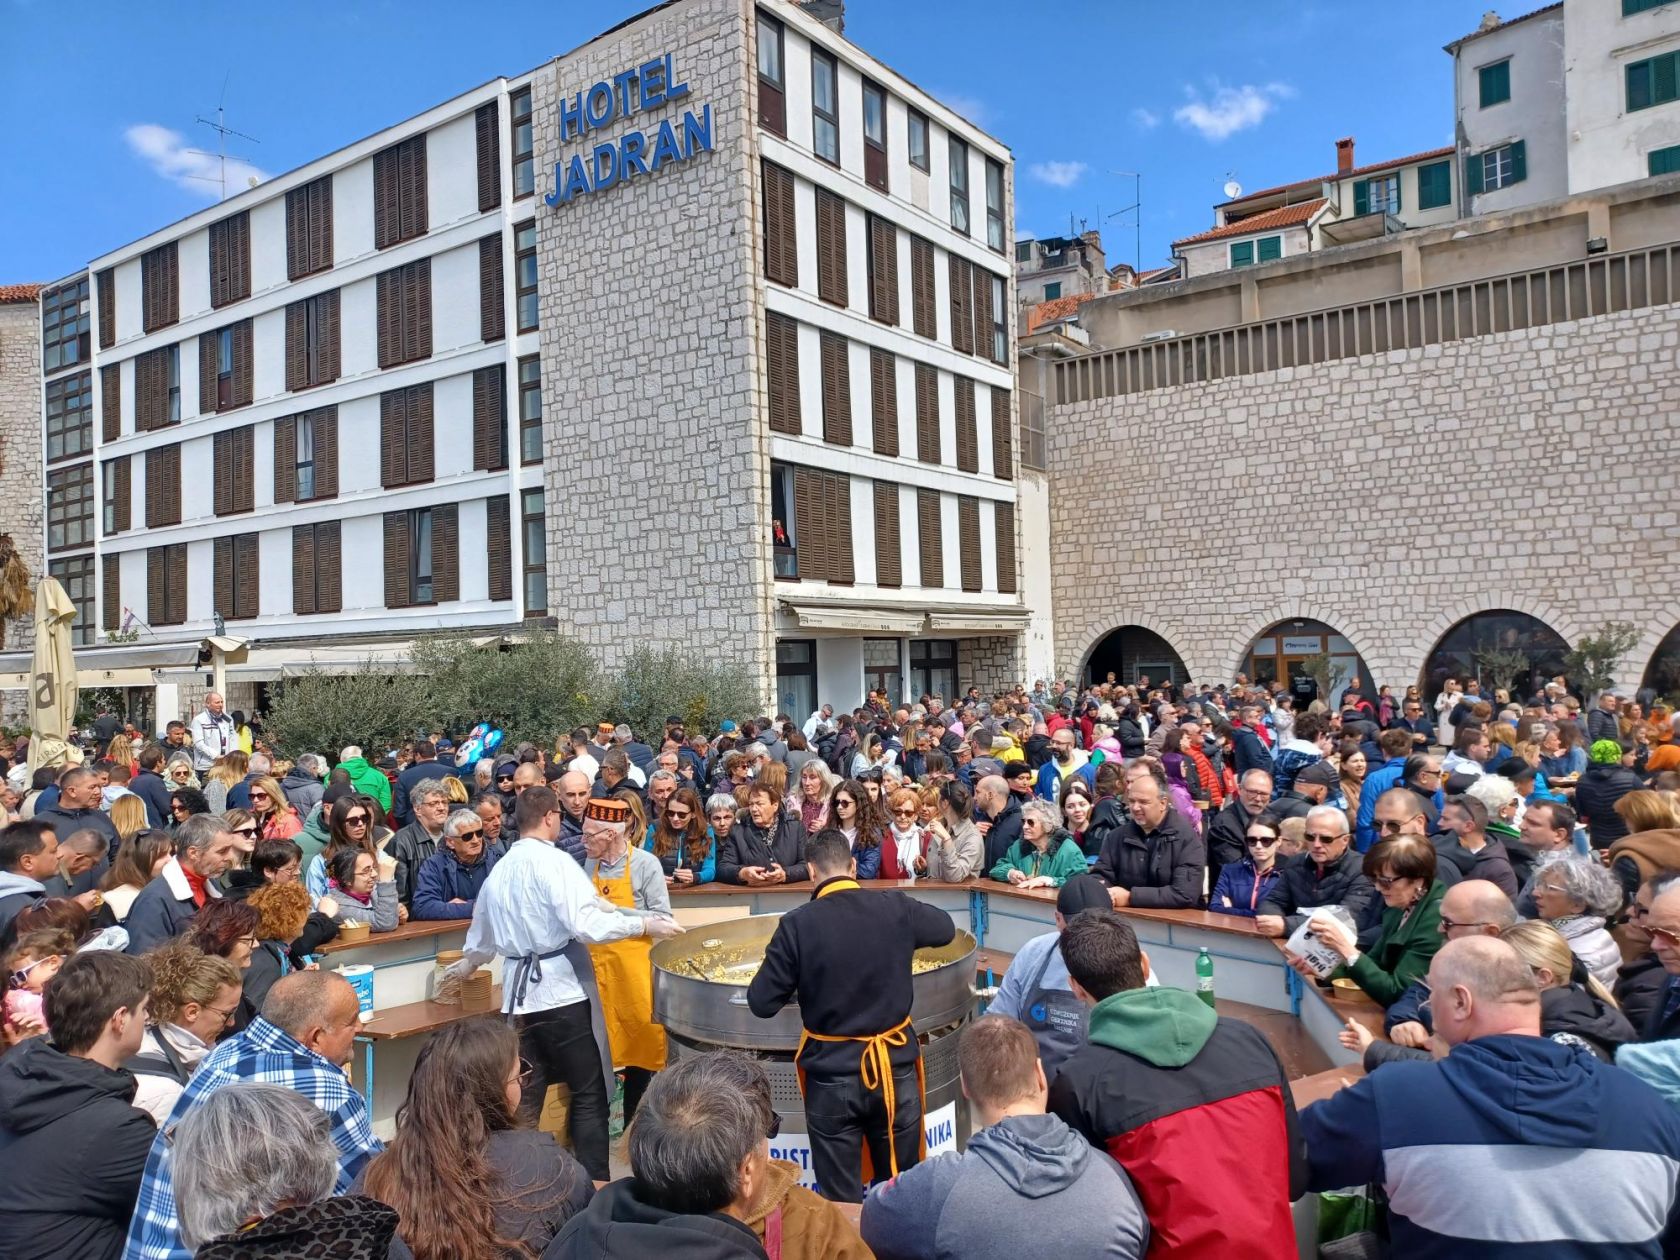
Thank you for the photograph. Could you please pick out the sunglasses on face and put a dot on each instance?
(355, 820)
(678, 815)
(1670, 935)
(909, 811)
(259, 796)
(176, 807)
(471, 835)
(245, 831)
(1313, 837)
(1261, 842)
(1385, 882)
(1387, 825)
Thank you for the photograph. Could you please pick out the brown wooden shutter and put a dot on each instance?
(781, 240)
(297, 345)
(247, 576)
(151, 389)
(921, 289)
(415, 212)
(396, 560)
(326, 451)
(244, 468)
(119, 490)
(110, 401)
(837, 496)
(404, 315)
(156, 580)
(492, 318)
(163, 486)
(968, 434)
(221, 474)
(221, 585)
(175, 582)
(982, 310)
(889, 566)
(160, 298)
(1003, 428)
(399, 192)
(230, 260)
(962, 308)
(105, 285)
(330, 356)
(883, 401)
(488, 131)
(303, 571)
(498, 546)
(285, 459)
(883, 270)
(242, 363)
(781, 370)
(968, 540)
(207, 374)
(417, 308)
(110, 595)
(309, 232)
(810, 531)
(1006, 548)
(836, 389)
(831, 248)
(930, 538)
(927, 414)
(329, 582)
(490, 418)
(393, 440)
(446, 554)
(419, 409)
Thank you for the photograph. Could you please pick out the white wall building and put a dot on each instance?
(1619, 71)
(1508, 85)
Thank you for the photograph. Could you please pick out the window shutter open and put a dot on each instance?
(207, 374)
(490, 418)
(396, 560)
(329, 582)
(1362, 196)
(968, 540)
(836, 390)
(968, 437)
(929, 538)
(831, 248)
(810, 530)
(927, 414)
(837, 496)
(492, 319)
(498, 546)
(982, 310)
(781, 252)
(883, 401)
(285, 459)
(446, 553)
(326, 452)
(921, 289)
(110, 401)
(303, 571)
(1473, 174)
(110, 595)
(883, 271)
(1003, 428)
(962, 311)
(889, 567)
(1519, 161)
(488, 131)
(781, 371)
(1006, 548)
(106, 286)
(242, 356)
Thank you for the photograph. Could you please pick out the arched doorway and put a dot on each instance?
(1280, 651)
(1662, 675)
(1500, 648)
(1132, 653)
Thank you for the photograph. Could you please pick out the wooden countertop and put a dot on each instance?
(411, 931)
(419, 1018)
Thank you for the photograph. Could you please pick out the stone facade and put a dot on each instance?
(993, 663)
(657, 466)
(1389, 496)
(21, 479)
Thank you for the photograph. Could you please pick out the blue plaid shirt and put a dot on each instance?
(265, 1054)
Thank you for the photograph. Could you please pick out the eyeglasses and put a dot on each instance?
(252, 941)
(355, 820)
(1450, 925)
(1429, 774)
(1671, 935)
(471, 835)
(1385, 882)
(907, 811)
(1386, 825)
(245, 831)
(526, 1071)
(1263, 842)
(1314, 837)
(227, 1018)
(775, 1126)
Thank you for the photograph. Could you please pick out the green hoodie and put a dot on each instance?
(315, 834)
(1164, 1027)
(368, 780)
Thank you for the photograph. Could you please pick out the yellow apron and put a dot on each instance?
(624, 972)
(875, 1069)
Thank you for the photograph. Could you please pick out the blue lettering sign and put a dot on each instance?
(665, 148)
(939, 1133)
(571, 116)
(606, 166)
(651, 76)
(675, 89)
(630, 155)
(598, 105)
(697, 132)
(651, 83)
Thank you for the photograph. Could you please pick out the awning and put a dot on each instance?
(980, 621)
(117, 665)
(907, 618)
(857, 619)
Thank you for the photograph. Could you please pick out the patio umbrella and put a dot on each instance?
(52, 677)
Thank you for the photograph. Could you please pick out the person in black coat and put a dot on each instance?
(74, 1145)
(1157, 860)
(1601, 786)
(1002, 814)
(149, 786)
(846, 955)
(1227, 831)
(765, 847)
(1330, 872)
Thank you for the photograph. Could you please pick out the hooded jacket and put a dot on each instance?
(619, 1226)
(369, 780)
(1501, 1142)
(1596, 795)
(1026, 1186)
(72, 1125)
(17, 894)
(1197, 1110)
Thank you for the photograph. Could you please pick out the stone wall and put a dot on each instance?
(992, 663)
(656, 467)
(1388, 496)
(22, 486)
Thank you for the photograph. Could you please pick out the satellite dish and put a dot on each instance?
(1233, 190)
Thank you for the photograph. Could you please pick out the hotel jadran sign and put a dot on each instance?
(636, 152)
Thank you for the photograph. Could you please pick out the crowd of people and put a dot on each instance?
(1500, 874)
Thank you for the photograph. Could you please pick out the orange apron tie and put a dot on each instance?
(875, 1068)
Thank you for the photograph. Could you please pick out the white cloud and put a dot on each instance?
(169, 155)
(1057, 174)
(1230, 110)
(1145, 119)
(969, 107)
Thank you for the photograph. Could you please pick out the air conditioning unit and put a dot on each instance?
(1163, 334)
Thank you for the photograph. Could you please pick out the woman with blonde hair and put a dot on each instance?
(194, 999)
(178, 772)
(120, 752)
(456, 790)
(219, 779)
(275, 816)
(140, 859)
(128, 816)
(1575, 1008)
(1652, 844)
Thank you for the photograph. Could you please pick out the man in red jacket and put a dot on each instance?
(1194, 1107)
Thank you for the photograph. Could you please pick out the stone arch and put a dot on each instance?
(1096, 637)
(1354, 628)
(1662, 664)
(1452, 650)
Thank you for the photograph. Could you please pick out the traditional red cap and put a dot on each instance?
(606, 809)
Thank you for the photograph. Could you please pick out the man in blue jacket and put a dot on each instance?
(1514, 1144)
(447, 884)
(1395, 746)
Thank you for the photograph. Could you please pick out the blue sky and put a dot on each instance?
(99, 108)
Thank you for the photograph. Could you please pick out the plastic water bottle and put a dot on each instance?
(1204, 977)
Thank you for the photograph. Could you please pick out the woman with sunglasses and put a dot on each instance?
(1243, 885)
(195, 999)
(274, 815)
(1403, 870)
(904, 845)
(1045, 856)
(178, 772)
(853, 813)
(353, 823)
(1642, 980)
(185, 803)
(682, 842)
(468, 1179)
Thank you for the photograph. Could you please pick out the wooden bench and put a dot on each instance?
(1319, 1086)
(416, 1019)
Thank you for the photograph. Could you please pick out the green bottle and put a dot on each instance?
(1204, 977)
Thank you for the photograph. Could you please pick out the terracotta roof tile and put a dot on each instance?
(1334, 175)
(1055, 308)
(1499, 26)
(1282, 217)
(11, 293)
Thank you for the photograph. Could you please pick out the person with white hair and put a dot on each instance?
(1577, 896)
(302, 785)
(255, 1171)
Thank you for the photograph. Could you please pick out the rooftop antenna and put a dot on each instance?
(1136, 207)
(223, 131)
(1233, 190)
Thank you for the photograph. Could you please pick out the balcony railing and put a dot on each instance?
(1551, 295)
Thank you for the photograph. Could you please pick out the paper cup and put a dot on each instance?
(360, 977)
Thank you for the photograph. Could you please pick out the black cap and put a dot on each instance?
(1082, 892)
(1321, 773)
(1458, 783)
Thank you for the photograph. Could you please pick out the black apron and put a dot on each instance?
(1057, 1018)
